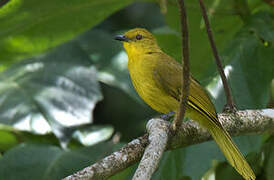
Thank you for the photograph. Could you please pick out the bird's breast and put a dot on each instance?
(142, 75)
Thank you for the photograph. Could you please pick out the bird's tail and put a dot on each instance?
(231, 151)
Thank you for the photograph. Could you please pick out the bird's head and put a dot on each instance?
(138, 40)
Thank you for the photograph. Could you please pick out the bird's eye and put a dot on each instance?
(139, 37)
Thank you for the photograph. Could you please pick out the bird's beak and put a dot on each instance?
(122, 38)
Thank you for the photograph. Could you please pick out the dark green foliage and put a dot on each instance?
(64, 83)
(48, 162)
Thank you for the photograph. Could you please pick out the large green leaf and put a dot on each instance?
(109, 58)
(250, 54)
(32, 162)
(28, 27)
(50, 92)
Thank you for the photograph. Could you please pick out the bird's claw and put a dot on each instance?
(167, 116)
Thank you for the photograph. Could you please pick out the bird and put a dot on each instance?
(157, 78)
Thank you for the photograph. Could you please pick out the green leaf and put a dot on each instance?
(129, 118)
(28, 28)
(169, 41)
(223, 26)
(268, 164)
(50, 92)
(258, 5)
(250, 54)
(145, 13)
(126, 174)
(249, 58)
(200, 158)
(31, 162)
(224, 171)
(91, 135)
(171, 165)
(109, 58)
(8, 138)
(11, 137)
(195, 160)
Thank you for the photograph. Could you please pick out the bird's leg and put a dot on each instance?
(167, 116)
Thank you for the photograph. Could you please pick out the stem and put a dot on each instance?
(230, 103)
(185, 61)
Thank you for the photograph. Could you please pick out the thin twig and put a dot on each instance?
(241, 123)
(230, 103)
(158, 130)
(185, 61)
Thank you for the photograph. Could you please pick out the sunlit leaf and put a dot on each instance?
(11, 137)
(50, 92)
(93, 134)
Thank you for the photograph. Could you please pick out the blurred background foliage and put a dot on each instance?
(67, 100)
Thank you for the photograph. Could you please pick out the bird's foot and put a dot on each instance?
(167, 116)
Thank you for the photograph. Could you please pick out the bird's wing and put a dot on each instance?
(168, 76)
(199, 98)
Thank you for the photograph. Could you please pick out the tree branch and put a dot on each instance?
(240, 123)
(112, 164)
(185, 61)
(229, 99)
(158, 136)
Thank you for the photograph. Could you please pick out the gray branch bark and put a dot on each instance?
(245, 122)
(158, 131)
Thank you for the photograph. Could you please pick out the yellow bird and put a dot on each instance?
(157, 78)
